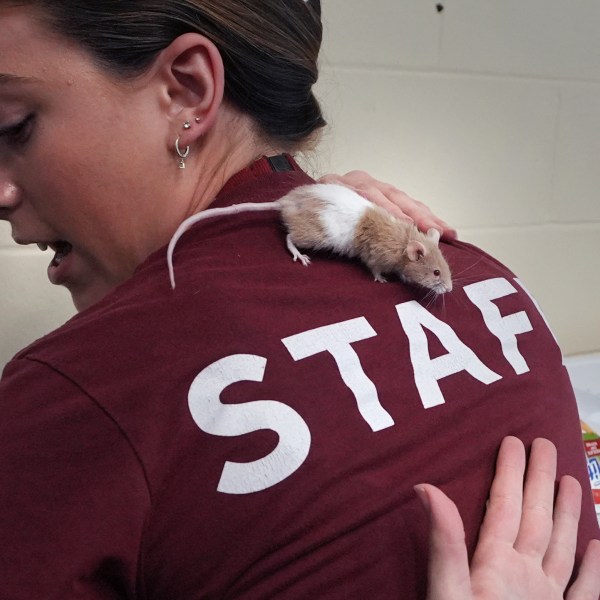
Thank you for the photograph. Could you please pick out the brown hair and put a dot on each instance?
(269, 49)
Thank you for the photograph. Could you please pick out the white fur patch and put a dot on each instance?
(342, 210)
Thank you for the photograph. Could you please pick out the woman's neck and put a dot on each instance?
(230, 147)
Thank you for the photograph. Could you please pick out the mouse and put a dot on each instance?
(329, 216)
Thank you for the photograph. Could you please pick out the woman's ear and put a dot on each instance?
(192, 80)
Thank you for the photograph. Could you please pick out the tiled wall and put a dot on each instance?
(488, 110)
(29, 305)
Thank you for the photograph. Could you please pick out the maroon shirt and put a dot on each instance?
(257, 432)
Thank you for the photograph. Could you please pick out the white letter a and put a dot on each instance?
(428, 371)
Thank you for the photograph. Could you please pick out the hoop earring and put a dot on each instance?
(182, 155)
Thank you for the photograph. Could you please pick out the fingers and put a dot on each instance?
(503, 515)
(376, 191)
(524, 533)
(539, 527)
(449, 577)
(560, 557)
(393, 200)
(587, 584)
(537, 513)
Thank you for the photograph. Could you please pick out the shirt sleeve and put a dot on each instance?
(73, 495)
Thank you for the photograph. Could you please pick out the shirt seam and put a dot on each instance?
(140, 593)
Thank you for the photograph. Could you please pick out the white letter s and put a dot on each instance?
(217, 418)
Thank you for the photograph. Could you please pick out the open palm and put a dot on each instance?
(526, 546)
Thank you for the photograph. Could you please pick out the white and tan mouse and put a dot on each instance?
(326, 216)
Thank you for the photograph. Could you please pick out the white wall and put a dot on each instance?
(29, 305)
(489, 111)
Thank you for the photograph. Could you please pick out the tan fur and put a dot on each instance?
(381, 242)
(300, 214)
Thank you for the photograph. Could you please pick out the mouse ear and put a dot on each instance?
(415, 250)
(433, 235)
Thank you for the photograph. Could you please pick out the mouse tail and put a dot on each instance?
(207, 214)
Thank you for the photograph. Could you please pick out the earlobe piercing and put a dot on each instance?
(187, 125)
(182, 155)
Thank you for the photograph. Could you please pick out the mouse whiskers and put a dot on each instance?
(430, 298)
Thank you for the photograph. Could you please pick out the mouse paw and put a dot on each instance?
(295, 252)
(305, 260)
(380, 278)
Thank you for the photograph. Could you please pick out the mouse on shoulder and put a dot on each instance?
(335, 218)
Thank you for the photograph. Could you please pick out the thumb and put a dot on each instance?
(448, 571)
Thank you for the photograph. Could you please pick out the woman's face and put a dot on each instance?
(84, 164)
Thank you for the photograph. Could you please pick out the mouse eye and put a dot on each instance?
(437, 272)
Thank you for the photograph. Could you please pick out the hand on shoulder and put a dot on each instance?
(392, 199)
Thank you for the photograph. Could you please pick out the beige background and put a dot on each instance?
(489, 111)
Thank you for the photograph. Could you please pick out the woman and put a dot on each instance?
(254, 433)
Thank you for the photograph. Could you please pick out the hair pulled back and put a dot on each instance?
(269, 49)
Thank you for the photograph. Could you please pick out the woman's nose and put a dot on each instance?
(9, 196)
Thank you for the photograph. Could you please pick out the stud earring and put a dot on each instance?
(187, 125)
(197, 119)
(182, 155)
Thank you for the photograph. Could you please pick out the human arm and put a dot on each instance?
(526, 544)
(392, 199)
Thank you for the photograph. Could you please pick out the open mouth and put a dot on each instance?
(60, 248)
(59, 268)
